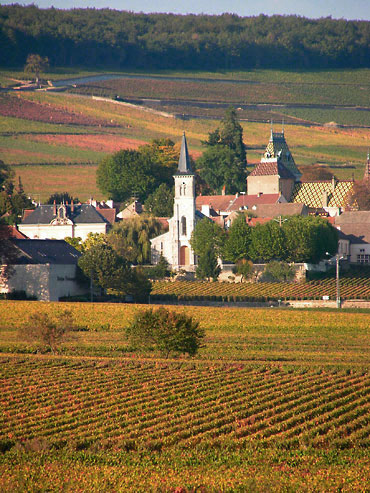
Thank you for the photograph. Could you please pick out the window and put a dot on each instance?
(363, 258)
(183, 225)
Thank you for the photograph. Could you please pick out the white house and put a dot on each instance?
(175, 244)
(45, 269)
(59, 221)
(354, 237)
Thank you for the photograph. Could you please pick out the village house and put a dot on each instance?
(45, 269)
(66, 220)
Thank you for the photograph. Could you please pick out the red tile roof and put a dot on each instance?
(11, 232)
(228, 203)
(272, 168)
(108, 214)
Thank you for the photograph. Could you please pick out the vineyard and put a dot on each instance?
(350, 288)
(277, 400)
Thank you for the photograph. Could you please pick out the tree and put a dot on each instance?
(238, 240)
(205, 235)
(109, 270)
(208, 267)
(224, 161)
(278, 271)
(307, 239)
(220, 167)
(160, 270)
(160, 202)
(61, 198)
(47, 331)
(166, 331)
(229, 135)
(315, 173)
(244, 268)
(6, 178)
(131, 238)
(141, 172)
(267, 242)
(36, 64)
(360, 197)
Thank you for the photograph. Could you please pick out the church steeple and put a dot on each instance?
(184, 167)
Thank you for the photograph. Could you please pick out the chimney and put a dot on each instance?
(55, 208)
(325, 199)
(223, 190)
(72, 206)
(333, 183)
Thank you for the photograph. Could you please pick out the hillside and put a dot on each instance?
(55, 140)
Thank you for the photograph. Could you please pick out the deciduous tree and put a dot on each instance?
(166, 331)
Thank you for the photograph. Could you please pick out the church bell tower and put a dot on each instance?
(184, 211)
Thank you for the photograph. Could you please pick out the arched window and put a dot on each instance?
(183, 225)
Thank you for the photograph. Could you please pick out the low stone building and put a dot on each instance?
(45, 269)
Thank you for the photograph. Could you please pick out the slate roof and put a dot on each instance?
(45, 252)
(272, 168)
(311, 193)
(184, 167)
(82, 214)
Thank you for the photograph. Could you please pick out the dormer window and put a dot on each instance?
(62, 212)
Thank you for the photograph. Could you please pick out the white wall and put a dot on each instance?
(48, 282)
(59, 232)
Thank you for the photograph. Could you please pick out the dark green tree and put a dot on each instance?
(224, 161)
(138, 172)
(207, 267)
(267, 242)
(307, 239)
(238, 240)
(166, 331)
(206, 235)
(160, 202)
(109, 270)
(278, 271)
(62, 197)
(219, 167)
(124, 173)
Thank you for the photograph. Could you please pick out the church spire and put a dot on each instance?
(184, 167)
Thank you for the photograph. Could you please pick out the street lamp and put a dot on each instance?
(338, 257)
(337, 279)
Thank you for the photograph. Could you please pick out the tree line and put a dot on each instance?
(117, 40)
(293, 239)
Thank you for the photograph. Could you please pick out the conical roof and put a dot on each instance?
(184, 167)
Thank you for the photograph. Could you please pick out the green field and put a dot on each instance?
(28, 139)
(277, 400)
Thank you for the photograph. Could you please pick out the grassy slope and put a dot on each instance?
(276, 401)
(345, 150)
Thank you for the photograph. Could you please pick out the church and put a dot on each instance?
(274, 182)
(175, 244)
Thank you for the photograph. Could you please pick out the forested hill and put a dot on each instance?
(114, 39)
